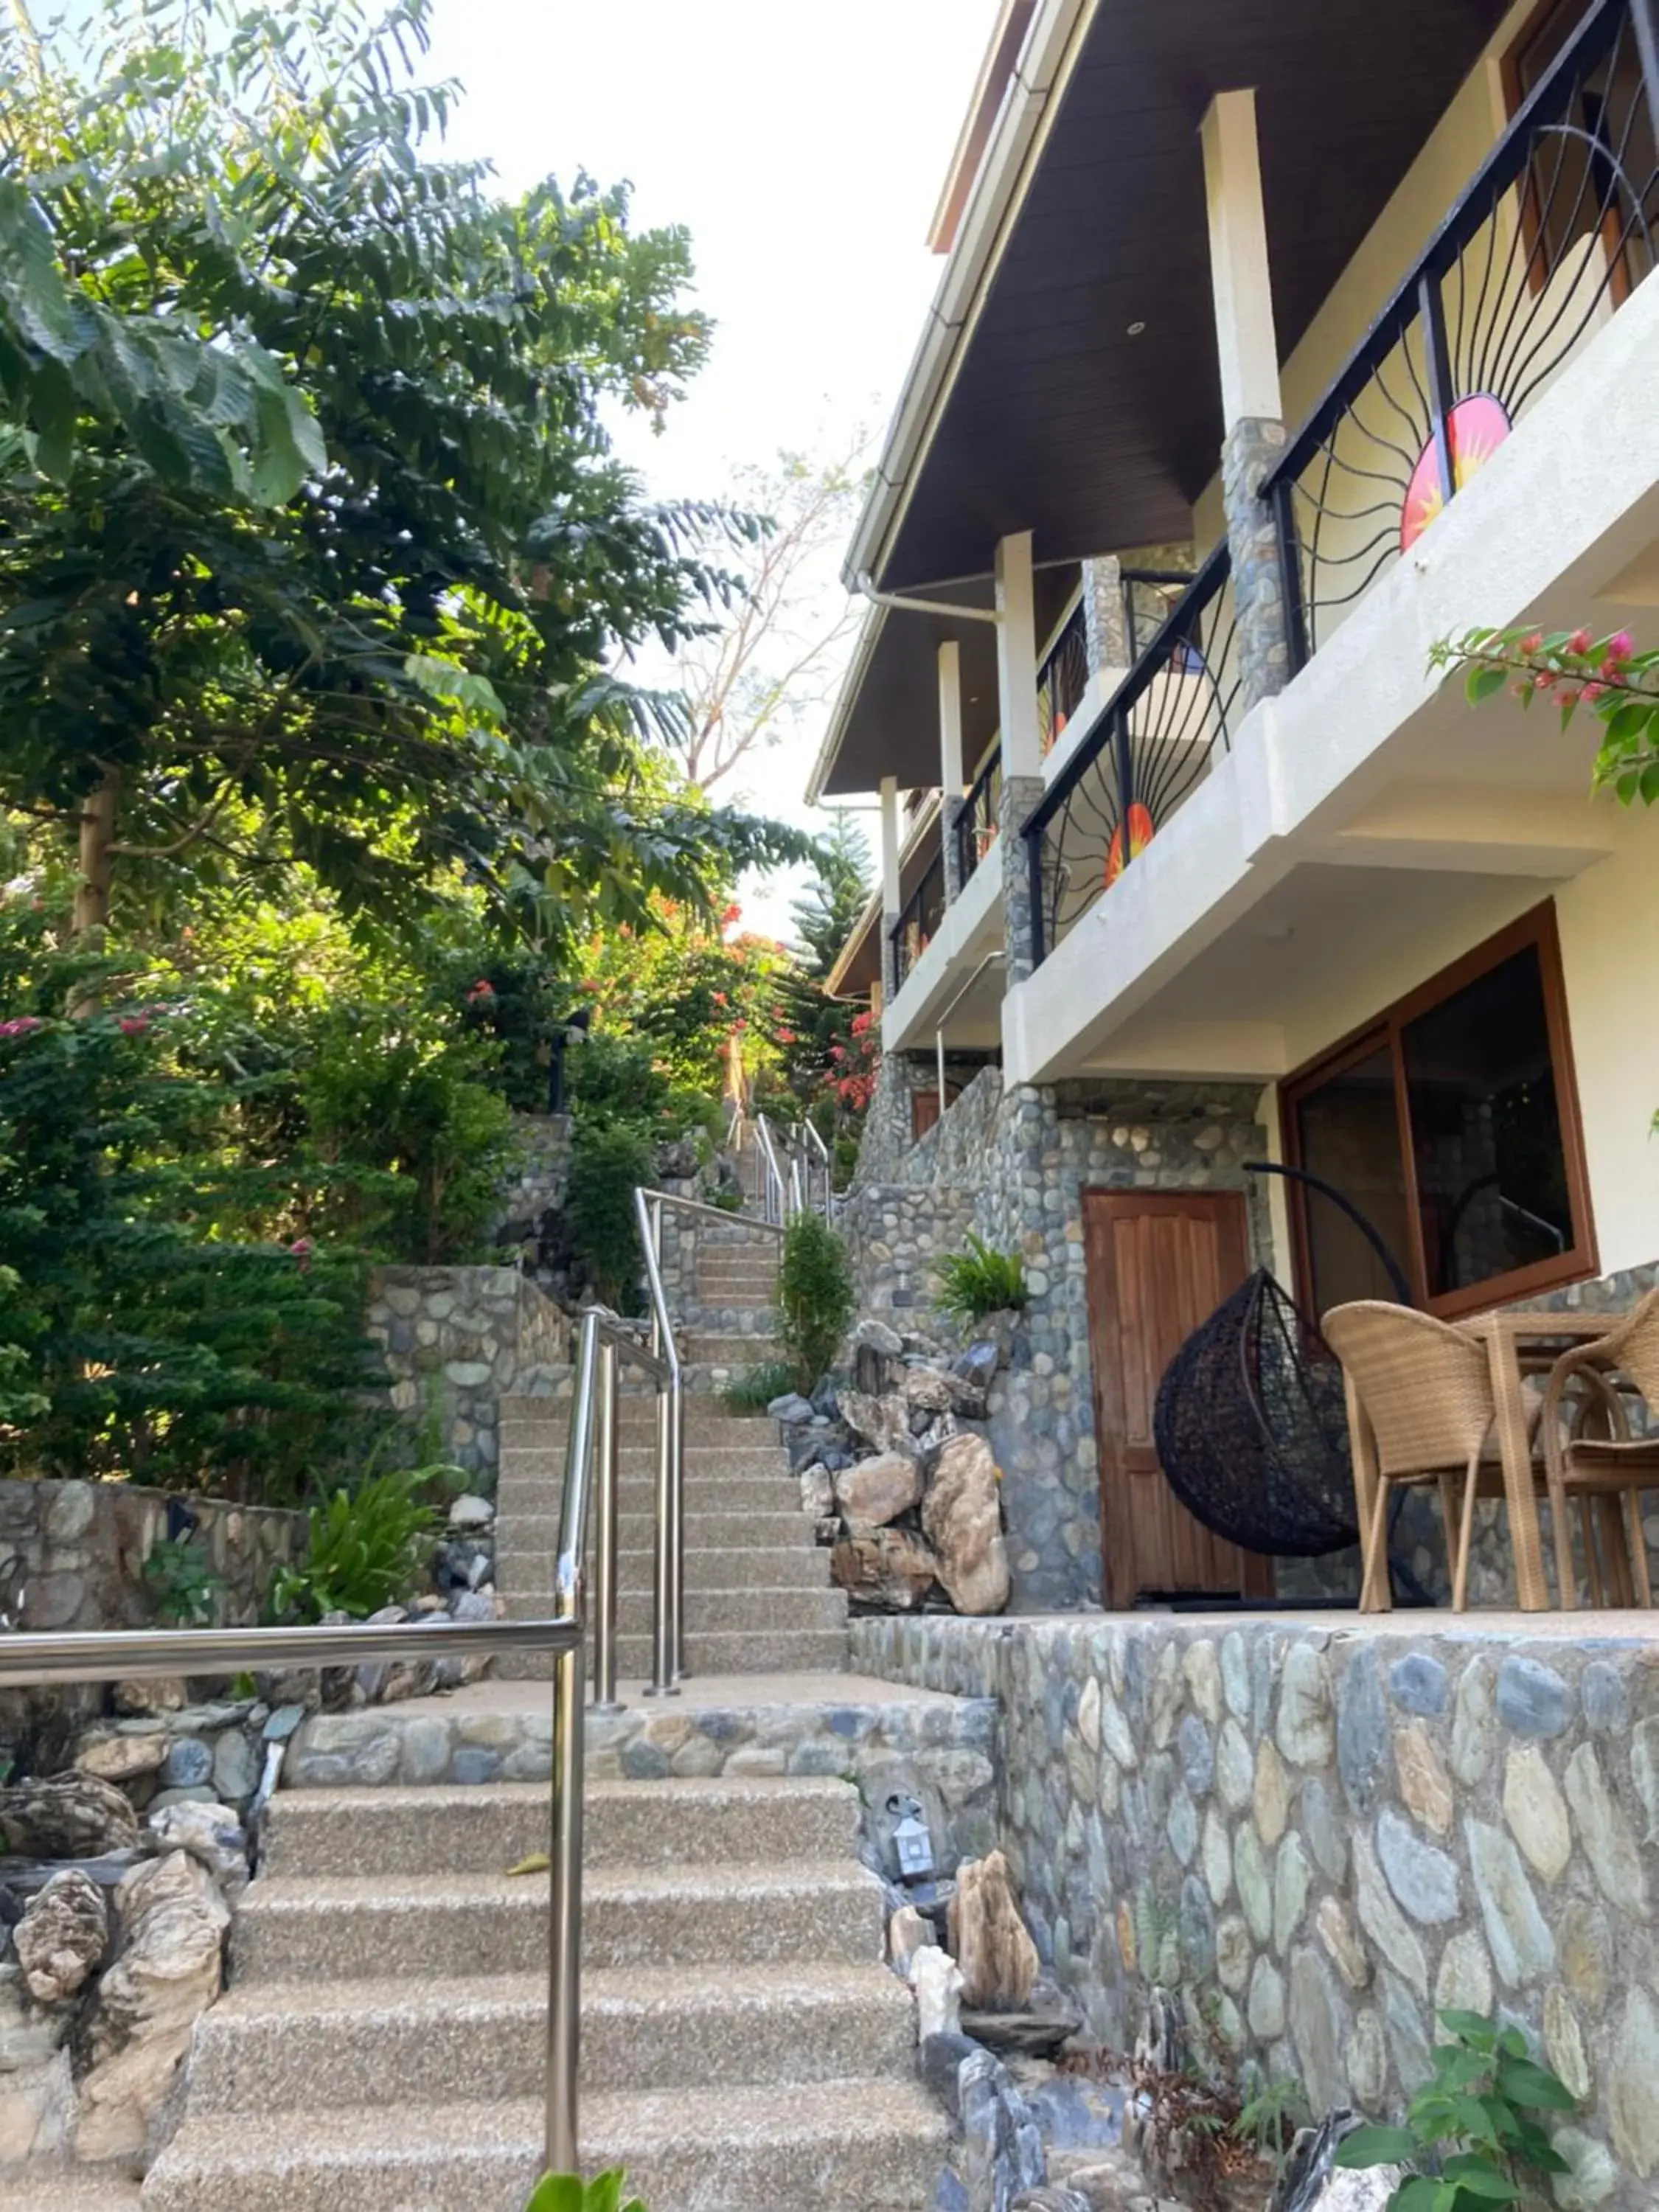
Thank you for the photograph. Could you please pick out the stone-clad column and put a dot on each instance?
(1251, 408)
(1020, 794)
(1021, 751)
(950, 777)
(1105, 635)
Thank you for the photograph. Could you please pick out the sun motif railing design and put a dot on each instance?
(1062, 679)
(1145, 753)
(977, 823)
(919, 917)
(1554, 232)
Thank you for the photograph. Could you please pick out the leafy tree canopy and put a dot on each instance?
(403, 673)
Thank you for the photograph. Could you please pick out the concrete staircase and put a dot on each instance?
(758, 1596)
(382, 2047)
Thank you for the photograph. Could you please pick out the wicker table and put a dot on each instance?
(1505, 1333)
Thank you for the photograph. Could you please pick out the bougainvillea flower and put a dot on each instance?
(20, 1025)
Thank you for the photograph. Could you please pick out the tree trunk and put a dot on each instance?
(97, 863)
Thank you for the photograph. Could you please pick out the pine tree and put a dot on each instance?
(827, 911)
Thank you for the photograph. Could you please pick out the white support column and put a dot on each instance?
(1245, 336)
(1251, 408)
(1016, 703)
(890, 901)
(1022, 746)
(952, 780)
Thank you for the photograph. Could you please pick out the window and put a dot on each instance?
(1451, 1125)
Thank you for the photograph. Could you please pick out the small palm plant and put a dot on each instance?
(981, 1281)
(568, 2192)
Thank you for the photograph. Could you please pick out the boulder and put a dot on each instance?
(882, 1422)
(1003, 2149)
(1311, 2181)
(988, 1938)
(141, 1700)
(878, 1337)
(908, 1932)
(876, 1491)
(818, 1492)
(68, 1816)
(936, 1980)
(138, 2028)
(877, 1354)
(470, 1513)
(121, 1758)
(961, 1517)
(791, 1408)
(889, 1567)
(61, 1938)
(978, 1364)
(210, 1834)
(927, 1390)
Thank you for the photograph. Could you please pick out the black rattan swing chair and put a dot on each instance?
(1251, 1423)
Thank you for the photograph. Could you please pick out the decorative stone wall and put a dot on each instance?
(454, 1338)
(1020, 795)
(886, 1138)
(541, 1177)
(72, 1554)
(1013, 1166)
(1317, 1839)
(1251, 449)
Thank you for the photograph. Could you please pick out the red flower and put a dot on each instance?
(483, 989)
(1533, 643)
(860, 1023)
(1589, 695)
(20, 1026)
(1580, 642)
(134, 1025)
(720, 998)
(302, 1249)
(786, 1037)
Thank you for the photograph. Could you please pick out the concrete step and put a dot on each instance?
(314, 2046)
(707, 1611)
(329, 1833)
(710, 1491)
(849, 2145)
(754, 1651)
(706, 1528)
(704, 1426)
(386, 1927)
(544, 1464)
(706, 1349)
(527, 1544)
(47, 2186)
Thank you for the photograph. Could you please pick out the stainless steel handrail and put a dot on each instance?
(808, 1140)
(777, 1190)
(668, 1610)
(29, 1660)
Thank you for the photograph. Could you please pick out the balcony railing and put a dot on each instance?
(1062, 678)
(1556, 228)
(1149, 748)
(913, 933)
(977, 823)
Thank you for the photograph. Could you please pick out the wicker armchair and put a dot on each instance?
(1425, 1387)
(1611, 1469)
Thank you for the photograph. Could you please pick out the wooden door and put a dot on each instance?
(1158, 1264)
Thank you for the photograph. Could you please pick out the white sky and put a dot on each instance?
(803, 146)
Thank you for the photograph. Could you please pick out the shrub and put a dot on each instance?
(367, 1548)
(815, 1295)
(568, 2193)
(609, 1161)
(1470, 2141)
(979, 1281)
(182, 1585)
(753, 1391)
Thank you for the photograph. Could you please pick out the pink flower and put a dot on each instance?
(302, 1249)
(20, 1026)
(786, 1037)
(483, 989)
(1571, 698)
(1534, 642)
(1589, 695)
(1620, 646)
(1580, 642)
(134, 1025)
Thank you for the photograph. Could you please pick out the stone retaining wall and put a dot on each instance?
(72, 1554)
(1317, 1837)
(453, 1340)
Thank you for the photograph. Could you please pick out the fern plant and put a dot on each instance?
(367, 1549)
(815, 1296)
(981, 1281)
(1470, 2141)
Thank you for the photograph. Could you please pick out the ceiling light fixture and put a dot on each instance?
(1135, 328)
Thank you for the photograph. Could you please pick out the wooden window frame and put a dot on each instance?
(1509, 68)
(1535, 929)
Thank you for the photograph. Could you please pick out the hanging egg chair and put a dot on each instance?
(1251, 1423)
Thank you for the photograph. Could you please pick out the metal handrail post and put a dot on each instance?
(564, 1949)
(674, 1454)
(607, 1414)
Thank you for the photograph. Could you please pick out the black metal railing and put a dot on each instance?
(1144, 754)
(1062, 678)
(1148, 595)
(1556, 228)
(977, 823)
(913, 933)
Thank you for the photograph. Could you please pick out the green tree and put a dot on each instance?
(400, 674)
(826, 912)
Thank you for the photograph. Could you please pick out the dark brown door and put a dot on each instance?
(1158, 1265)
